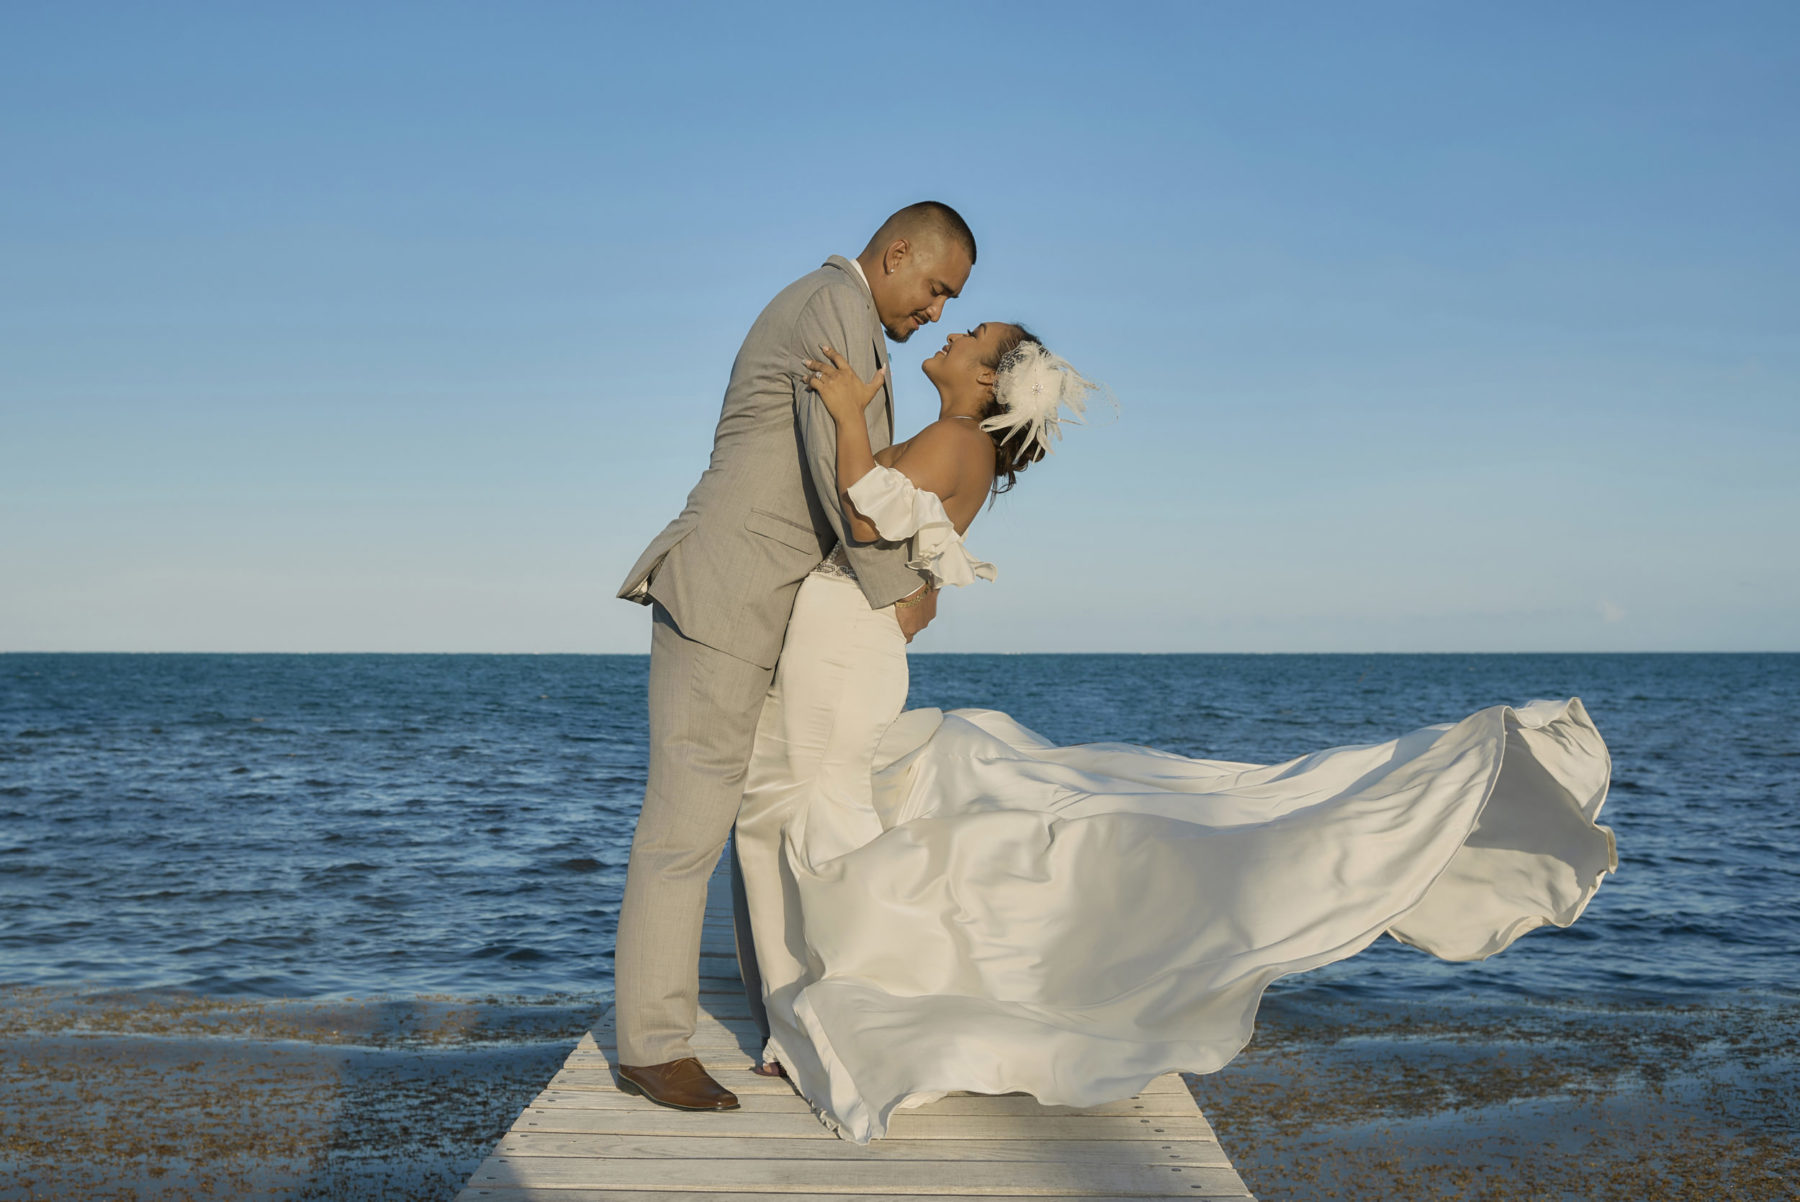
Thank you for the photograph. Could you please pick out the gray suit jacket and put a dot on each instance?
(766, 510)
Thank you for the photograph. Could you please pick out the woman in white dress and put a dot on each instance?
(946, 901)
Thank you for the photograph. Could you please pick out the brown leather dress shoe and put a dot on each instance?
(682, 1084)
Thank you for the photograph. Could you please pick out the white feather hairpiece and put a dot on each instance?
(1033, 387)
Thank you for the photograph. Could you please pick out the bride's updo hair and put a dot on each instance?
(1015, 449)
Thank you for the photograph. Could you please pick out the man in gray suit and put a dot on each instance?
(722, 578)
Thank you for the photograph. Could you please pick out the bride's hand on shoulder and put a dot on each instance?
(844, 392)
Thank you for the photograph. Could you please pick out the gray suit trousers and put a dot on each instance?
(704, 705)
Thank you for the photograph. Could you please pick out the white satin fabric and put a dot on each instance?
(900, 509)
(946, 901)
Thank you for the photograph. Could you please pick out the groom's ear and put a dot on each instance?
(895, 254)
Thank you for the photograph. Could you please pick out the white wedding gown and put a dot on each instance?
(946, 901)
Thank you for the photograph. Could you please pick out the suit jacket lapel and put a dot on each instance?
(887, 385)
(880, 433)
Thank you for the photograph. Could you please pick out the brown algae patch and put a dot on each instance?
(1342, 1101)
(110, 1095)
(370, 1022)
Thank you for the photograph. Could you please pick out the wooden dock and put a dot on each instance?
(583, 1140)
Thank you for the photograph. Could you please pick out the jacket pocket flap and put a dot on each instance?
(792, 534)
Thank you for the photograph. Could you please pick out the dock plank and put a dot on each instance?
(785, 1102)
(502, 1193)
(1044, 1178)
(907, 1124)
(582, 1139)
(796, 1147)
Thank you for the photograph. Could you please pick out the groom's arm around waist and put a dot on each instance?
(880, 567)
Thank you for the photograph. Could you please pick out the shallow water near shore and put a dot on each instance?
(321, 925)
(141, 1095)
(148, 1095)
(1470, 1099)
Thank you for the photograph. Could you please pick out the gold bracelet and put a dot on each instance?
(918, 600)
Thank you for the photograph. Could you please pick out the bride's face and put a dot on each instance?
(964, 368)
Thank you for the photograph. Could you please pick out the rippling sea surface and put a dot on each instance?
(320, 826)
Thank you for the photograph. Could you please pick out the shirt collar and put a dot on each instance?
(880, 342)
(864, 278)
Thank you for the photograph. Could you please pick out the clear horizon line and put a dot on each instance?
(645, 654)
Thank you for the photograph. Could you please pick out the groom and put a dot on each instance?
(721, 578)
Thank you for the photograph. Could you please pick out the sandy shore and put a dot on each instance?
(134, 1096)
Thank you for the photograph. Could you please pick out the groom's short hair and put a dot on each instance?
(925, 219)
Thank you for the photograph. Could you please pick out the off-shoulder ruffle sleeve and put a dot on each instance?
(901, 509)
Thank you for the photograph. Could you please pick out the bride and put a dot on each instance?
(946, 901)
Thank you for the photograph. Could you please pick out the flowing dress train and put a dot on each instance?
(948, 901)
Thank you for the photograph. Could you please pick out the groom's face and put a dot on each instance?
(918, 278)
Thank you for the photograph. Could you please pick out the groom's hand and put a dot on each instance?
(914, 612)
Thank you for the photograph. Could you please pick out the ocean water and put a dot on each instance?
(330, 826)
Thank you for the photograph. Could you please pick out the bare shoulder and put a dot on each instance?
(950, 457)
(943, 459)
(955, 437)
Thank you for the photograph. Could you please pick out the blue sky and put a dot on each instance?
(404, 327)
